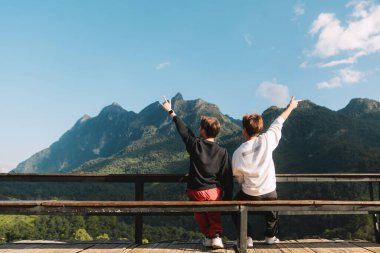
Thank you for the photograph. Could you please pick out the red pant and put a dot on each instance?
(209, 223)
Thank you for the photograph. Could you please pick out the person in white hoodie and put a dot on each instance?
(253, 167)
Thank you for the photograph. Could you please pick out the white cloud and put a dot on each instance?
(248, 39)
(332, 83)
(360, 8)
(276, 93)
(304, 65)
(163, 65)
(351, 76)
(359, 37)
(299, 9)
(346, 76)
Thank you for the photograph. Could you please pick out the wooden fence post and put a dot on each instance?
(139, 195)
(375, 216)
(243, 229)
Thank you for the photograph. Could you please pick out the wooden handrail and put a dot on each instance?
(184, 207)
(175, 178)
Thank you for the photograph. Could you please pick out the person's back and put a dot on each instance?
(254, 168)
(254, 158)
(207, 164)
(210, 174)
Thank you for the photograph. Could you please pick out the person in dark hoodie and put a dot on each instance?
(210, 173)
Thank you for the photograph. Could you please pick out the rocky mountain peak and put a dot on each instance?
(359, 106)
(114, 108)
(177, 97)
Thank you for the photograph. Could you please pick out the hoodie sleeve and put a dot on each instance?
(226, 178)
(187, 135)
(273, 134)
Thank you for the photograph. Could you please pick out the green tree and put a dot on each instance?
(82, 235)
(102, 237)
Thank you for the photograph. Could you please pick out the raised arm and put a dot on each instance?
(273, 134)
(291, 106)
(187, 135)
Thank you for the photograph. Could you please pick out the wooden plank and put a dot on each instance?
(289, 203)
(322, 246)
(292, 246)
(64, 248)
(7, 248)
(196, 246)
(188, 246)
(172, 248)
(121, 178)
(172, 178)
(145, 248)
(189, 203)
(229, 247)
(44, 248)
(130, 248)
(185, 207)
(112, 248)
(372, 247)
(261, 247)
(348, 247)
(159, 247)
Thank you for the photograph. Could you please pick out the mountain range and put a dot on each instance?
(315, 139)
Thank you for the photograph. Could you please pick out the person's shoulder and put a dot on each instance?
(240, 148)
(220, 149)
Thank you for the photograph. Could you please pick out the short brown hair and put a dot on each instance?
(211, 126)
(253, 124)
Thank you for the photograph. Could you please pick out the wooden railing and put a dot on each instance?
(139, 207)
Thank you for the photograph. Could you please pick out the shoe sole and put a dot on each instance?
(217, 247)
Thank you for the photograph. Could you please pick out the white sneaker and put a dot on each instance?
(217, 243)
(272, 240)
(207, 242)
(249, 242)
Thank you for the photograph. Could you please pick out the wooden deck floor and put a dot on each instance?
(296, 246)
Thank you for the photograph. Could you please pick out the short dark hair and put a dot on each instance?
(211, 126)
(253, 124)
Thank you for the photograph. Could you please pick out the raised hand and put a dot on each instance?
(293, 103)
(167, 105)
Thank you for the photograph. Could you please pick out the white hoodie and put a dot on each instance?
(252, 162)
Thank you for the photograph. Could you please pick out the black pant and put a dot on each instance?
(272, 219)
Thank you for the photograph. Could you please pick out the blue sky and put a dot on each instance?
(62, 59)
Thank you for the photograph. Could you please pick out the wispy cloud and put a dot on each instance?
(304, 65)
(248, 39)
(163, 65)
(277, 94)
(346, 76)
(299, 10)
(340, 43)
(360, 37)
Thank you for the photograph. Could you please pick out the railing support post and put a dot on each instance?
(375, 216)
(243, 229)
(139, 195)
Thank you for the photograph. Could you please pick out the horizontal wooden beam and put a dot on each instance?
(175, 178)
(305, 207)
